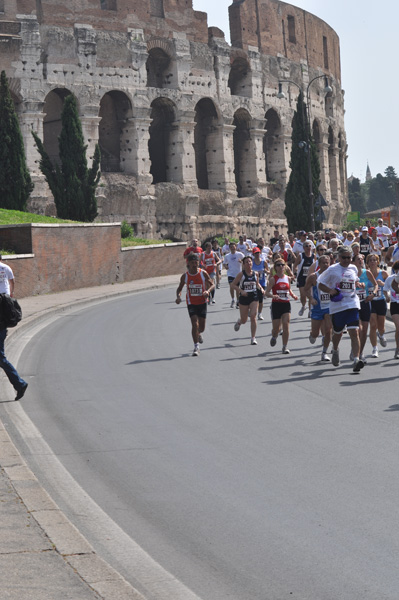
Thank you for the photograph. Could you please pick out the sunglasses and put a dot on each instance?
(346, 257)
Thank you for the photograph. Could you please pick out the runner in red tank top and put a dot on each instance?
(279, 290)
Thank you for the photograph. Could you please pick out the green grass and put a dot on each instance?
(134, 241)
(15, 217)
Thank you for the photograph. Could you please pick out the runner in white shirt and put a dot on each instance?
(391, 292)
(340, 281)
(233, 263)
(384, 234)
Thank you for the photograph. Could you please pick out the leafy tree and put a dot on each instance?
(356, 199)
(297, 195)
(15, 181)
(72, 184)
(381, 192)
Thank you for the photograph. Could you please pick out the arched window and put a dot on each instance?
(158, 64)
(163, 115)
(115, 108)
(241, 142)
(273, 147)
(240, 79)
(52, 124)
(205, 143)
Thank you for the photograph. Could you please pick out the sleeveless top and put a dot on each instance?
(305, 264)
(379, 295)
(281, 289)
(363, 293)
(260, 268)
(195, 287)
(248, 284)
(364, 246)
(209, 261)
(322, 298)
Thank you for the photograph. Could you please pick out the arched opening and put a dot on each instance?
(158, 67)
(332, 165)
(241, 143)
(159, 145)
(240, 80)
(115, 108)
(52, 124)
(205, 143)
(273, 147)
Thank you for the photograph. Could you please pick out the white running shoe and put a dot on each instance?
(232, 304)
(213, 301)
(396, 353)
(325, 357)
(312, 339)
(196, 352)
(254, 342)
(273, 341)
(301, 311)
(260, 317)
(218, 286)
(361, 357)
(285, 350)
(374, 353)
(335, 358)
(383, 340)
(237, 325)
(200, 339)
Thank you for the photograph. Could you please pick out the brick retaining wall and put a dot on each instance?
(55, 258)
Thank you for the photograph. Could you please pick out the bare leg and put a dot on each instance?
(285, 320)
(355, 340)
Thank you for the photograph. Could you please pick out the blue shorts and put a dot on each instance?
(317, 313)
(345, 318)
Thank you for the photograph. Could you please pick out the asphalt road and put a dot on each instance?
(243, 474)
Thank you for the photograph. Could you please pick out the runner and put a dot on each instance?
(232, 262)
(392, 294)
(279, 290)
(365, 295)
(301, 268)
(378, 305)
(218, 251)
(199, 285)
(260, 266)
(193, 248)
(384, 234)
(366, 243)
(378, 246)
(247, 286)
(340, 282)
(320, 302)
(211, 261)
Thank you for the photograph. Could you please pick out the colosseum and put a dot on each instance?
(194, 135)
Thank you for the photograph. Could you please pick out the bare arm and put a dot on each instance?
(179, 289)
(12, 283)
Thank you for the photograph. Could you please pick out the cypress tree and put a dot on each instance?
(15, 180)
(72, 184)
(297, 195)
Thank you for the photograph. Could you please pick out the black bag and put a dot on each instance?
(11, 312)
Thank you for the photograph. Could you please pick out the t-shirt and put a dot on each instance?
(345, 279)
(194, 249)
(5, 275)
(383, 232)
(234, 266)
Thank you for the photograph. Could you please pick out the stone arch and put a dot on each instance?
(240, 78)
(332, 165)
(163, 115)
(206, 143)
(159, 64)
(273, 146)
(52, 125)
(242, 144)
(115, 109)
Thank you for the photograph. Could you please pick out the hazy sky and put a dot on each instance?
(368, 37)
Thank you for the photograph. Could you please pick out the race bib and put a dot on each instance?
(283, 294)
(195, 289)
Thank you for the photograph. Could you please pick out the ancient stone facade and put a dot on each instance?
(195, 139)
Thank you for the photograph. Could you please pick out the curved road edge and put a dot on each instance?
(32, 500)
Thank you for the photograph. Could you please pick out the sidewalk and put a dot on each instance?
(42, 555)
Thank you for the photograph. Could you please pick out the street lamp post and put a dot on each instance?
(305, 144)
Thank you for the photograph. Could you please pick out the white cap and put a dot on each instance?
(365, 228)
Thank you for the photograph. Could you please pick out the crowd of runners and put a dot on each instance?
(346, 283)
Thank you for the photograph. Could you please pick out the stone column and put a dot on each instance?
(257, 159)
(333, 162)
(90, 128)
(324, 171)
(227, 158)
(135, 144)
(181, 156)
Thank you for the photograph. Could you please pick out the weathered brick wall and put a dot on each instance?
(66, 257)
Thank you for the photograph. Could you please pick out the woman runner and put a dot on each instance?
(247, 285)
(279, 290)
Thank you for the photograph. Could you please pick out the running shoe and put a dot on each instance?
(312, 339)
(325, 357)
(196, 352)
(232, 304)
(260, 317)
(361, 357)
(273, 341)
(374, 353)
(213, 301)
(200, 339)
(396, 353)
(301, 311)
(383, 340)
(335, 358)
(358, 364)
(218, 286)
(285, 350)
(237, 325)
(254, 342)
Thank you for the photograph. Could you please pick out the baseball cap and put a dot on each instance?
(302, 232)
(255, 250)
(365, 228)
